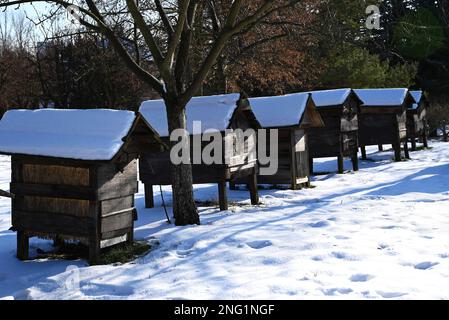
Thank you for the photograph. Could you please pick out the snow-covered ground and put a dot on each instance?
(380, 233)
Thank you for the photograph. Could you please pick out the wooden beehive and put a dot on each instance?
(339, 110)
(383, 119)
(71, 185)
(417, 126)
(291, 116)
(224, 114)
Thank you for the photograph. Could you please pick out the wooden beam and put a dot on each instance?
(425, 139)
(94, 251)
(413, 144)
(363, 150)
(23, 244)
(53, 191)
(340, 161)
(222, 196)
(355, 161)
(254, 192)
(149, 196)
(406, 151)
(311, 166)
(397, 152)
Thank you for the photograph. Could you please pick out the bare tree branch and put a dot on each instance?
(165, 20)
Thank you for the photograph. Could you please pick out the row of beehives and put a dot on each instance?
(74, 172)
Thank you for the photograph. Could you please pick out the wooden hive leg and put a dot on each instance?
(425, 140)
(222, 196)
(130, 235)
(340, 161)
(397, 152)
(413, 144)
(381, 147)
(232, 185)
(406, 152)
(355, 162)
(94, 251)
(363, 150)
(23, 244)
(311, 166)
(254, 192)
(149, 197)
(58, 242)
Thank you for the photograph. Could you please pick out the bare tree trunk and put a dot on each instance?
(445, 135)
(184, 208)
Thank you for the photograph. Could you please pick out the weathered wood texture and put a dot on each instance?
(90, 201)
(293, 160)
(339, 137)
(417, 126)
(376, 129)
(385, 125)
(292, 152)
(60, 211)
(155, 168)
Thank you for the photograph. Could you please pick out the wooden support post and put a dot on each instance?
(149, 197)
(58, 242)
(406, 152)
(340, 161)
(355, 161)
(397, 152)
(363, 150)
(381, 147)
(23, 244)
(94, 251)
(254, 192)
(222, 196)
(413, 144)
(425, 140)
(130, 239)
(311, 166)
(232, 186)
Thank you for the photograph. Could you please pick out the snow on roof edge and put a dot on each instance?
(76, 134)
(198, 109)
(280, 111)
(391, 97)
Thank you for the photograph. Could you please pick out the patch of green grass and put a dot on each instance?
(125, 252)
(422, 148)
(209, 203)
(120, 253)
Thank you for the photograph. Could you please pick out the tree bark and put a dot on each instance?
(184, 208)
(445, 135)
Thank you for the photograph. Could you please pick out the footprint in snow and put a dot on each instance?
(361, 277)
(389, 227)
(334, 291)
(425, 265)
(259, 244)
(185, 248)
(383, 246)
(339, 237)
(320, 224)
(343, 256)
(391, 295)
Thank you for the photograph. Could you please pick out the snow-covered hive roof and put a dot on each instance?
(280, 111)
(382, 97)
(417, 95)
(214, 113)
(73, 134)
(327, 98)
